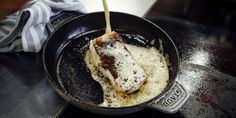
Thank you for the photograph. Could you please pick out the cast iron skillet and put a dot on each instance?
(63, 58)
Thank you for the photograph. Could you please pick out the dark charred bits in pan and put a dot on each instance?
(75, 77)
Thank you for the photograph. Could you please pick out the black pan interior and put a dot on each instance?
(64, 52)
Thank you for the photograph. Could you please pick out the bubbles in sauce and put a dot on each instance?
(155, 67)
(128, 79)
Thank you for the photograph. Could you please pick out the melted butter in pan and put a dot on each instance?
(156, 69)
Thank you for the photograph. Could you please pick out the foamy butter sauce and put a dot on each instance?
(156, 70)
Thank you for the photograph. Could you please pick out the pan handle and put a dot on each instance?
(61, 18)
(173, 100)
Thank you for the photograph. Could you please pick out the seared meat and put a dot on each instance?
(113, 59)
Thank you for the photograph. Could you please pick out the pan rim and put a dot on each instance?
(71, 99)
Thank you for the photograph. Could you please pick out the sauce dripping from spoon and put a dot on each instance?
(107, 16)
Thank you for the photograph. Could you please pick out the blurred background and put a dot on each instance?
(217, 13)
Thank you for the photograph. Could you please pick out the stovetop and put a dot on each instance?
(207, 69)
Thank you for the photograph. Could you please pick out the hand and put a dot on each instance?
(9, 6)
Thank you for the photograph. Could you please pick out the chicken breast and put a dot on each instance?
(112, 58)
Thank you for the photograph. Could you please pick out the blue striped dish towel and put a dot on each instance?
(26, 29)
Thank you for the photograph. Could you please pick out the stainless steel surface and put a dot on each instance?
(24, 90)
(207, 69)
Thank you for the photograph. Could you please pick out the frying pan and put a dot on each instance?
(63, 58)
